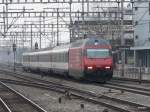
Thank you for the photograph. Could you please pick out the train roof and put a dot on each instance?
(79, 43)
(90, 41)
(62, 48)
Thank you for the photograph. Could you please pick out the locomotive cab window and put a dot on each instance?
(98, 53)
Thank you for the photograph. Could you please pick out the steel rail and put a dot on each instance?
(127, 89)
(141, 91)
(89, 95)
(127, 86)
(5, 105)
(36, 107)
(131, 80)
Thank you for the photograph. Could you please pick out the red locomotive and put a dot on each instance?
(89, 58)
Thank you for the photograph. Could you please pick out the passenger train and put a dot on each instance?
(89, 59)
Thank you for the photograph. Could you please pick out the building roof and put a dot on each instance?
(139, 47)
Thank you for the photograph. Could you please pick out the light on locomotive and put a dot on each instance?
(90, 67)
(107, 67)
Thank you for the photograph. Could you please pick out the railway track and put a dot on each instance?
(116, 86)
(110, 102)
(131, 80)
(113, 103)
(114, 78)
(127, 88)
(13, 101)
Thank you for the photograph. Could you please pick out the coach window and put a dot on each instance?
(24, 58)
(35, 58)
(30, 58)
(64, 57)
(54, 57)
(59, 57)
(43, 58)
(46, 59)
(40, 58)
(50, 57)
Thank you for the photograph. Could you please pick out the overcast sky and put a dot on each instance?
(63, 35)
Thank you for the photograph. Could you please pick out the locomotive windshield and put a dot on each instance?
(98, 53)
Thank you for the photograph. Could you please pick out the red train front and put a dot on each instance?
(91, 59)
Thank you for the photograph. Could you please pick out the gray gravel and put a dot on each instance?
(49, 100)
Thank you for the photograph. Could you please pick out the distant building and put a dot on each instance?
(106, 25)
(142, 34)
(7, 55)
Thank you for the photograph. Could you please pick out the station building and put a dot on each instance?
(107, 26)
(142, 34)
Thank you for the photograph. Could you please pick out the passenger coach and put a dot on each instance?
(89, 58)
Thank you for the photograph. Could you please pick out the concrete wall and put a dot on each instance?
(5, 58)
(142, 29)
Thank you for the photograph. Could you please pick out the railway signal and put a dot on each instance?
(14, 51)
(14, 47)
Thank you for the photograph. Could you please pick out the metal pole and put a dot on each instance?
(78, 24)
(31, 36)
(57, 28)
(140, 72)
(8, 53)
(132, 2)
(14, 61)
(122, 38)
(53, 38)
(44, 28)
(40, 31)
(83, 10)
(14, 51)
(83, 16)
(70, 28)
(6, 15)
(4, 20)
(88, 6)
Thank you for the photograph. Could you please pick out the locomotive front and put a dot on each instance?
(98, 60)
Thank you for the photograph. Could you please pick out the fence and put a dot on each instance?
(140, 73)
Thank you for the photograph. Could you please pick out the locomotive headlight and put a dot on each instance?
(107, 67)
(89, 67)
